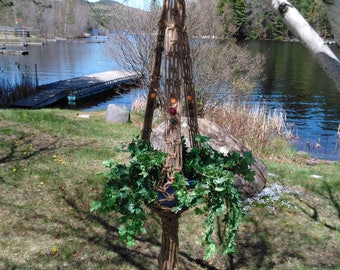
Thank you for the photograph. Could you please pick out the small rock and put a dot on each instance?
(84, 116)
(315, 176)
(116, 114)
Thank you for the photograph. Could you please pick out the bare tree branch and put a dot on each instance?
(308, 37)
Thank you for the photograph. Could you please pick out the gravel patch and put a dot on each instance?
(270, 197)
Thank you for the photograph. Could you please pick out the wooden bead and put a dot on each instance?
(153, 95)
(173, 101)
(173, 121)
(173, 111)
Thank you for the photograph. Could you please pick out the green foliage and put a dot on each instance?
(221, 6)
(130, 187)
(239, 15)
(260, 23)
(205, 185)
(214, 193)
(6, 3)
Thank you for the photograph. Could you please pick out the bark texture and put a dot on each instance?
(168, 256)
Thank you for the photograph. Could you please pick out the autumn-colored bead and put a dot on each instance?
(173, 101)
(173, 111)
(153, 95)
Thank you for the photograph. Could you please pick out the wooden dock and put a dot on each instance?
(77, 88)
(4, 51)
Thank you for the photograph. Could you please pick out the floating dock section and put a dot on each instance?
(4, 51)
(78, 88)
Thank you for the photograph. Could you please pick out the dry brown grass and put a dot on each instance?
(255, 126)
(24, 86)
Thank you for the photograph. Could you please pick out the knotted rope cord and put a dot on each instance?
(173, 72)
(172, 37)
(189, 89)
(155, 77)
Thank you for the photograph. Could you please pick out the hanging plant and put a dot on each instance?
(206, 184)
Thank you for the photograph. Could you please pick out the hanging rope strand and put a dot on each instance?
(189, 91)
(177, 67)
(173, 65)
(155, 77)
(172, 47)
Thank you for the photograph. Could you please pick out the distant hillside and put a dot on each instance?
(111, 14)
(66, 18)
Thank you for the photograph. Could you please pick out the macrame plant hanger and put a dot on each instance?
(173, 47)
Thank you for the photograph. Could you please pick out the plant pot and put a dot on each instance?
(170, 190)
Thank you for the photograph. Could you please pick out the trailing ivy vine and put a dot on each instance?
(206, 185)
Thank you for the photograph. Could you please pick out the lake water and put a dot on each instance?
(294, 83)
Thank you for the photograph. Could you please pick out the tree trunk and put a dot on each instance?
(309, 38)
(168, 256)
(333, 14)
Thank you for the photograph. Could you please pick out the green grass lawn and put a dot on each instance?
(50, 172)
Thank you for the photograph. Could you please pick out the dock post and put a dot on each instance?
(36, 76)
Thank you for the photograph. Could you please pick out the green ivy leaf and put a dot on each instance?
(95, 206)
(198, 211)
(219, 189)
(220, 180)
(107, 163)
(210, 250)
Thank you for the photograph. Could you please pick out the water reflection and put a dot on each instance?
(297, 84)
(59, 60)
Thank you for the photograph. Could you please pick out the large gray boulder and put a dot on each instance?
(223, 142)
(116, 114)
